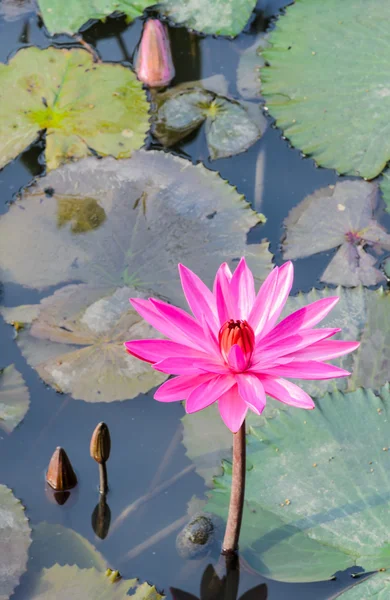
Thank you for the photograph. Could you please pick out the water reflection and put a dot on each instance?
(101, 518)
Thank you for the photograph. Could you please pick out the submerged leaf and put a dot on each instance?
(328, 88)
(159, 210)
(345, 213)
(14, 398)
(230, 128)
(67, 582)
(76, 344)
(82, 106)
(318, 491)
(14, 542)
(11, 10)
(248, 70)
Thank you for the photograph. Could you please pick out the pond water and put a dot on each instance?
(146, 435)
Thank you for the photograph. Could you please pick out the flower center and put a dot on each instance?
(239, 333)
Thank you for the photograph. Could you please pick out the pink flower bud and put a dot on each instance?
(154, 65)
(240, 333)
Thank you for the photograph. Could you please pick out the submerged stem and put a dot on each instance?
(233, 525)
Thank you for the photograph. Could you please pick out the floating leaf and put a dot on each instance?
(346, 214)
(11, 10)
(159, 210)
(221, 17)
(385, 188)
(248, 70)
(76, 344)
(82, 106)
(375, 587)
(14, 398)
(318, 490)
(230, 129)
(67, 582)
(14, 542)
(328, 88)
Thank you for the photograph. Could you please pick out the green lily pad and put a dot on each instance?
(363, 315)
(77, 338)
(221, 17)
(346, 213)
(230, 127)
(64, 582)
(332, 104)
(377, 586)
(14, 398)
(159, 210)
(318, 490)
(84, 107)
(248, 70)
(14, 542)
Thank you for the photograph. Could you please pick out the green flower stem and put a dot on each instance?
(233, 525)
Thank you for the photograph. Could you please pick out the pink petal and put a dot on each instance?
(208, 392)
(190, 366)
(148, 312)
(155, 350)
(310, 369)
(282, 291)
(326, 350)
(200, 299)
(263, 302)
(179, 388)
(287, 392)
(233, 409)
(225, 306)
(251, 391)
(183, 322)
(289, 345)
(303, 318)
(236, 359)
(242, 288)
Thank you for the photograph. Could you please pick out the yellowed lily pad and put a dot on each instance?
(137, 219)
(76, 344)
(82, 106)
(14, 398)
(14, 542)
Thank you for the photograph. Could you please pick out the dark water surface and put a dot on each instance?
(142, 429)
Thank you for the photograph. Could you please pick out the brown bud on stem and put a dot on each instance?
(60, 474)
(100, 451)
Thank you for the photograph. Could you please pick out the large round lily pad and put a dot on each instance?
(346, 214)
(76, 344)
(327, 82)
(14, 398)
(128, 222)
(376, 587)
(14, 542)
(82, 106)
(67, 582)
(222, 17)
(318, 489)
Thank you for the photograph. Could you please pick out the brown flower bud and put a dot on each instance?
(100, 443)
(60, 474)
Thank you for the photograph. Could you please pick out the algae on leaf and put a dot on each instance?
(317, 490)
(14, 542)
(14, 398)
(143, 216)
(328, 88)
(345, 213)
(84, 107)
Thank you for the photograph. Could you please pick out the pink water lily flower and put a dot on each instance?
(233, 350)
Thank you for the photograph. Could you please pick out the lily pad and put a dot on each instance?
(248, 70)
(159, 210)
(333, 105)
(385, 188)
(14, 398)
(318, 490)
(84, 107)
(67, 582)
(377, 586)
(346, 214)
(230, 128)
(76, 344)
(221, 17)
(14, 542)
